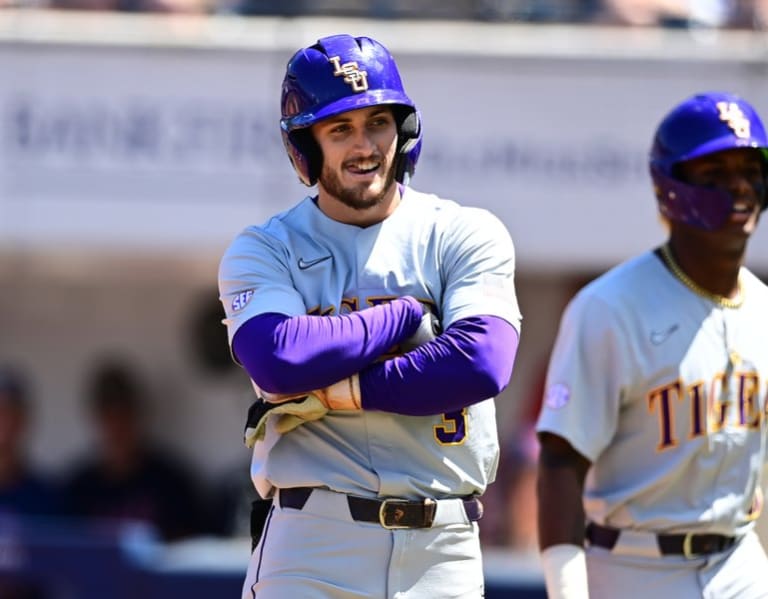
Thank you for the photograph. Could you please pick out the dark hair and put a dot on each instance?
(114, 385)
(14, 387)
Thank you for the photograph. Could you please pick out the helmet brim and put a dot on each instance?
(726, 142)
(354, 102)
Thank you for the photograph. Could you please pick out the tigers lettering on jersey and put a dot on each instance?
(352, 304)
(318, 311)
(708, 408)
(347, 305)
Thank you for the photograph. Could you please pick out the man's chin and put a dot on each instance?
(361, 203)
(362, 197)
(359, 195)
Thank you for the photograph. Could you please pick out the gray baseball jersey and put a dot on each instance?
(664, 391)
(302, 262)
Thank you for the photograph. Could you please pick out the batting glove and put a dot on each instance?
(294, 409)
(344, 395)
(290, 414)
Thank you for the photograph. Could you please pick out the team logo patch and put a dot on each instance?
(241, 300)
(731, 113)
(352, 73)
(557, 396)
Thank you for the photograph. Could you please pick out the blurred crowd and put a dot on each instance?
(726, 14)
(126, 477)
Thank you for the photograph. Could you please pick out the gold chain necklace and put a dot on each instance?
(724, 302)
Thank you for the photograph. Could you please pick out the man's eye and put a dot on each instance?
(709, 177)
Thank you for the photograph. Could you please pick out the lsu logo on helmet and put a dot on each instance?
(734, 118)
(352, 74)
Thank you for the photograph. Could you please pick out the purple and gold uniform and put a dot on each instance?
(658, 382)
(379, 499)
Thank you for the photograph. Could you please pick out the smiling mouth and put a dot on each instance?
(742, 212)
(364, 168)
(743, 207)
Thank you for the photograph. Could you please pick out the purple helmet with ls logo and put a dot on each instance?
(338, 74)
(701, 125)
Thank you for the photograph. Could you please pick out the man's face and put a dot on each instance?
(358, 149)
(740, 173)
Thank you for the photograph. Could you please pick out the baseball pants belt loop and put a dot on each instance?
(392, 513)
(690, 545)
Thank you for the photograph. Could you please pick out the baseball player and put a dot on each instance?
(374, 435)
(653, 424)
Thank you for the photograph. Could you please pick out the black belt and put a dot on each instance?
(390, 513)
(689, 545)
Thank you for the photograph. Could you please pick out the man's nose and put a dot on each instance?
(363, 140)
(741, 184)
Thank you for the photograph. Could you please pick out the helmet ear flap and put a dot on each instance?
(304, 154)
(409, 127)
(764, 152)
(408, 143)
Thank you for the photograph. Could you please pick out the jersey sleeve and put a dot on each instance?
(584, 383)
(254, 279)
(478, 266)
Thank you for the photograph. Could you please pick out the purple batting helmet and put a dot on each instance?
(701, 125)
(338, 74)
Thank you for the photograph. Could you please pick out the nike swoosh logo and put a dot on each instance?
(305, 264)
(659, 337)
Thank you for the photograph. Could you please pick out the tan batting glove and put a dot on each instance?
(289, 414)
(276, 398)
(344, 395)
(307, 410)
(294, 409)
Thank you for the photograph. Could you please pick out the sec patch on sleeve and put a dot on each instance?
(241, 300)
(557, 396)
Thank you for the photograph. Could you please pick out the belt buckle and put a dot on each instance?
(398, 513)
(394, 510)
(688, 546)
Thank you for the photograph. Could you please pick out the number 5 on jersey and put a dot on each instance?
(453, 430)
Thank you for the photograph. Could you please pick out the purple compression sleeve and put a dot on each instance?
(471, 361)
(291, 354)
